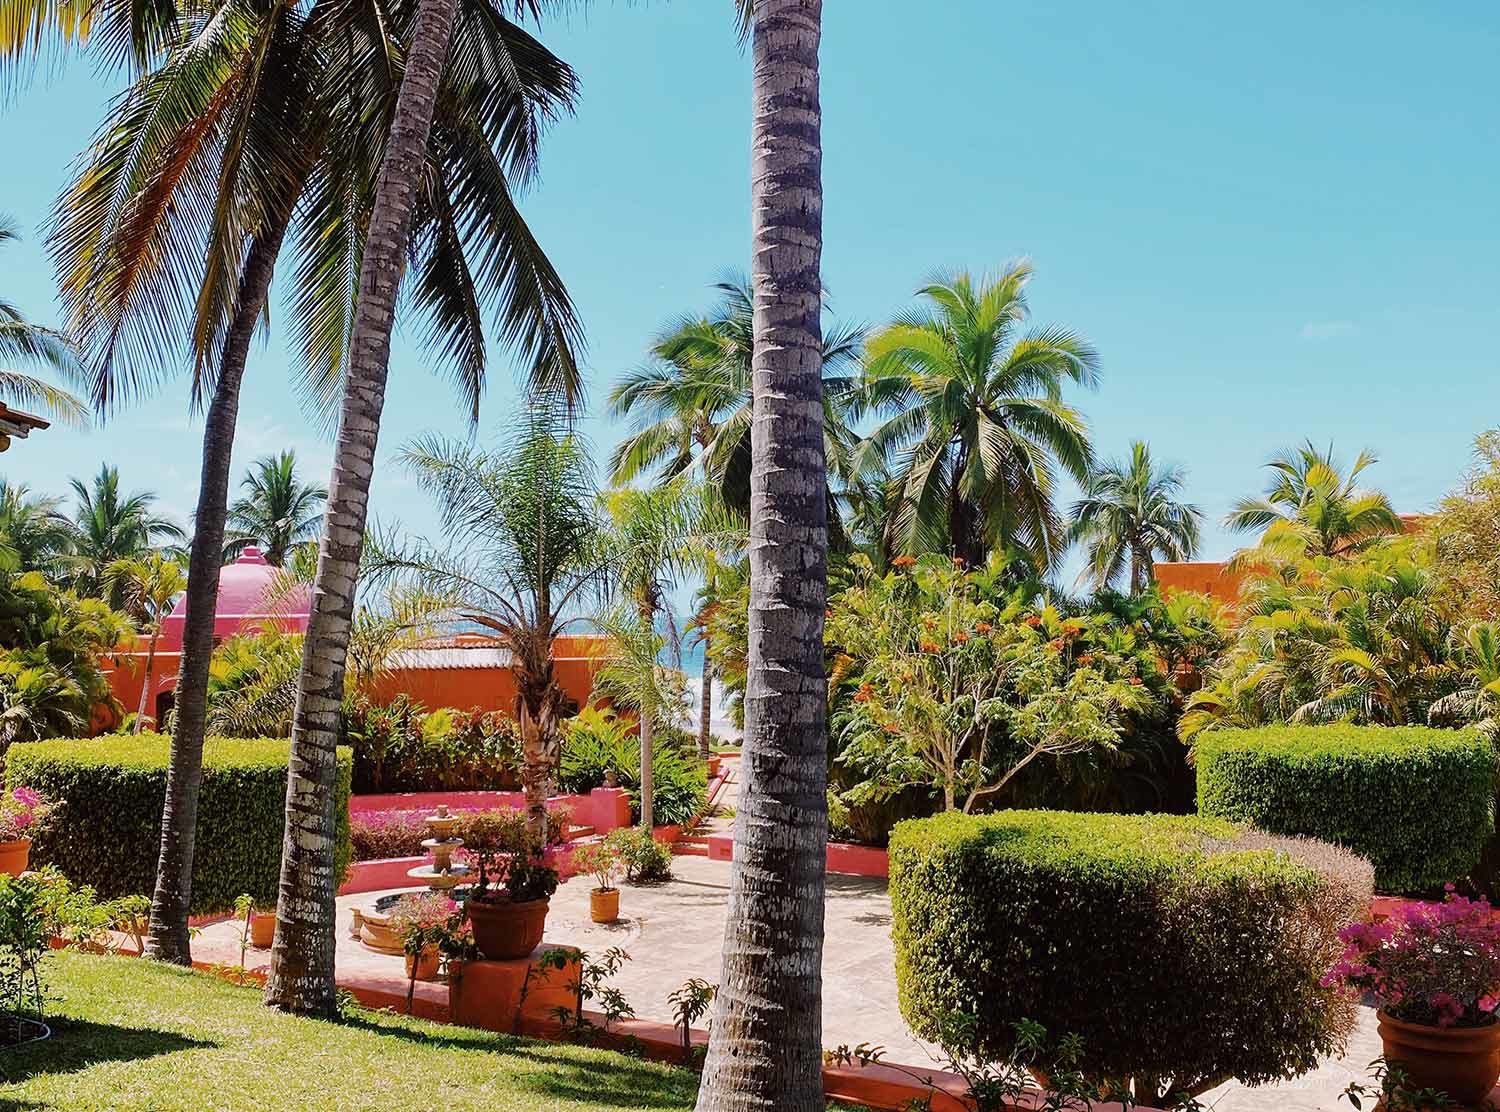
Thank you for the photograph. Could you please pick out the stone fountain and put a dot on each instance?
(372, 924)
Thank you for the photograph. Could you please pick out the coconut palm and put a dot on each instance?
(278, 510)
(691, 403)
(529, 559)
(972, 408)
(1311, 508)
(149, 585)
(35, 531)
(250, 118)
(765, 1047)
(110, 525)
(24, 344)
(1129, 515)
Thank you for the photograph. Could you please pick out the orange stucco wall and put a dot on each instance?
(1205, 576)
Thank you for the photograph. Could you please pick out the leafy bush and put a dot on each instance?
(1419, 803)
(402, 747)
(645, 860)
(596, 742)
(1181, 951)
(108, 829)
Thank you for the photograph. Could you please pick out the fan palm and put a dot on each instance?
(1311, 508)
(1130, 514)
(35, 531)
(23, 343)
(278, 510)
(110, 525)
(972, 410)
(692, 404)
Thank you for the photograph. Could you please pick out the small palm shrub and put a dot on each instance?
(597, 742)
(1181, 951)
(1418, 802)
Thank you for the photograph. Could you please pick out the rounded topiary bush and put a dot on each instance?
(1182, 951)
(1418, 802)
(108, 831)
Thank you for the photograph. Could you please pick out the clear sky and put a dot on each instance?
(1275, 221)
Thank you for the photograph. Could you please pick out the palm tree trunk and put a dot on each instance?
(301, 974)
(648, 785)
(705, 705)
(167, 935)
(765, 1048)
(140, 711)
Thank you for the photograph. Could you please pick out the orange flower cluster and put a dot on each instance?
(983, 627)
(928, 646)
(903, 561)
(960, 637)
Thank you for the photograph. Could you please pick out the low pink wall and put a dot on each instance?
(390, 872)
(604, 809)
(845, 859)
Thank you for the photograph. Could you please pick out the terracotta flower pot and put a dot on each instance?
(15, 856)
(1463, 1062)
(604, 905)
(504, 930)
(262, 929)
(713, 765)
(427, 964)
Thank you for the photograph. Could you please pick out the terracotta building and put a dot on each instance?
(467, 672)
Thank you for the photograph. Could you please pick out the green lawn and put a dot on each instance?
(130, 1034)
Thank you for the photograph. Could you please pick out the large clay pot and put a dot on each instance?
(604, 905)
(15, 856)
(427, 964)
(262, 929)
(1463, 1062)
(713, 765)
(504, 930)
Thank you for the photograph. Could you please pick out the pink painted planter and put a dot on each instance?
(604, 809)
(845, 859)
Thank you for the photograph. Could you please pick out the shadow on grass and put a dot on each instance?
(623, 1082)
(78, 1043)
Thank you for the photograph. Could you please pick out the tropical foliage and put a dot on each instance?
(1130, 514)
(24, 344)
(111, 525)
(277, 512)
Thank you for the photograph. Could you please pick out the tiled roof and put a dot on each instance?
(449, 657)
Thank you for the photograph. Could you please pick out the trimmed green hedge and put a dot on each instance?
(1182, 951)
(108, 832)
(1418, 802)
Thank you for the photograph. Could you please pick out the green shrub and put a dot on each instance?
(1418, 802)
(597, 741)
(644, 859)
(1181, 951)
(402, 747)
(107, 833)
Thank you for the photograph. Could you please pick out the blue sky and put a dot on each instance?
(1275, 221)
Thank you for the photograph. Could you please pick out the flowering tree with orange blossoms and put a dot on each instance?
(943, 679)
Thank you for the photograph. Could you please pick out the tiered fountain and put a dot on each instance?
(372, 924)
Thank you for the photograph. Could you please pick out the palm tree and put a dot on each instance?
(765, 1048)
(528, 560)
(974, 412)
(26, 344)
(35, 531)
(660, 535)
(1311, 508)
(278, 510)
(110, 526)
(691, 403)
(150, 585)
(245, 123)
(1129, 514)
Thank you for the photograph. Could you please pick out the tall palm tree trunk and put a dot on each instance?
(765, 1047)
(648, 734)
(140, 710)
(301, 974)
(705, 705)
(167, 936)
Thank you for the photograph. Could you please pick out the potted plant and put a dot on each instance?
(513, 888)
(23, 814)
(602, 860)
(1433, 969)
(422, 921)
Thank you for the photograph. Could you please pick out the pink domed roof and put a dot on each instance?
(244, 603)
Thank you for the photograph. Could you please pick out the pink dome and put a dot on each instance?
(244, 605)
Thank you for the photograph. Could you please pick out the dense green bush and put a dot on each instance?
(1418, 802)
(597, 741)
(108, 831)
(1182, 951)
(402, 747)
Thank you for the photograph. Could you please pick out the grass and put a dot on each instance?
(130, 1034)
